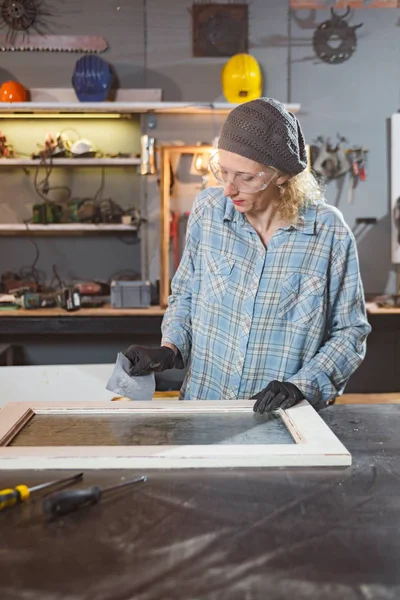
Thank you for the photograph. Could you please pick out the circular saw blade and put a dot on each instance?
(19, 15)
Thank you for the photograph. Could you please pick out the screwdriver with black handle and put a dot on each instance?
(62, 503)
(21, 493)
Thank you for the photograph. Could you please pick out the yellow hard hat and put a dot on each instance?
(241, 79)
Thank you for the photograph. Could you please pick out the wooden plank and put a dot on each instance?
(392, 398)
(168, 457)
(129, 406)
(316, 445)
(378, 310)
(13, 420)
(165, 227)
(64, 229)
(105, 311)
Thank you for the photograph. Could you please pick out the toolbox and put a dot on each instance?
(130, 294)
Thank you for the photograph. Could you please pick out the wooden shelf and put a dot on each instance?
(104, 311)
(374, 309)
(70, 162)
(32, 108)
(63, 229)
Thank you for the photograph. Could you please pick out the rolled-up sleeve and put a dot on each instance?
(325, 376)
(176, 327)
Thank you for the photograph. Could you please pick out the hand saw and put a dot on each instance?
(54, 43)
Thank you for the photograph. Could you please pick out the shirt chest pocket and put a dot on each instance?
(218, 274)
(302, 298)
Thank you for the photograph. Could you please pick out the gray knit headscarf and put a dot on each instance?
(264, 131)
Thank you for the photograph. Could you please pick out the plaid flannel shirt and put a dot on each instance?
(242, 315)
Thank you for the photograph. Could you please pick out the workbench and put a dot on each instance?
(223, 534)
(89, 321)
(54, 336)
(88, 335)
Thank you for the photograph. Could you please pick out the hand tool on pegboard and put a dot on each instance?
(329, 161)
(62, 503)
(358, 169)
(343, 162)
(54, 43)
(363, 165)
(354, 163)
(21, 493)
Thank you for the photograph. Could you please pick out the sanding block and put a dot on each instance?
(141, 387)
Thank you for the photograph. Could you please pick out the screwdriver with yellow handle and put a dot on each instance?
(21, 493)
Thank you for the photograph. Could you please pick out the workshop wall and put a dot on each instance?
(354, 99)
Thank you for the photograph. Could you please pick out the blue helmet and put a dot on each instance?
(92, 79)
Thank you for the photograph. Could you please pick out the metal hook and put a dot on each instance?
(341, 17)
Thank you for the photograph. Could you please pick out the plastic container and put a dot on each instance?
(130, 294)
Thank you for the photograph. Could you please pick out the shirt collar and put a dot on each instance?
(305, 222)
(231, 213)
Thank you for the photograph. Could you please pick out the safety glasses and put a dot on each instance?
(248, 183)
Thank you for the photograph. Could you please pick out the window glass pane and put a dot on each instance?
(148, 430)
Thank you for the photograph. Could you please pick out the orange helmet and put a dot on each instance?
(12, 91)
(241, 79)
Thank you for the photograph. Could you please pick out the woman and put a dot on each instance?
(267, 302)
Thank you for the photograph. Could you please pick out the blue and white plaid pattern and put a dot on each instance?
(242, 315)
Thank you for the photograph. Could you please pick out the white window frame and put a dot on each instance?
(315, 443)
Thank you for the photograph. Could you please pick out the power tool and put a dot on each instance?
(31, 300)
(66, 298)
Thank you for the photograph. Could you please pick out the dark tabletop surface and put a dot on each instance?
(268, 534)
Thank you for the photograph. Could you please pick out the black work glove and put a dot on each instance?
(277, 394)
(146, 360)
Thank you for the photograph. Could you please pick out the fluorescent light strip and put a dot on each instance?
(70, 115)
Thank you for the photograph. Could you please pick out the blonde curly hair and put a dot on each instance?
(298, 192)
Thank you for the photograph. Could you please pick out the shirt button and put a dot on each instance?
(236, 387)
